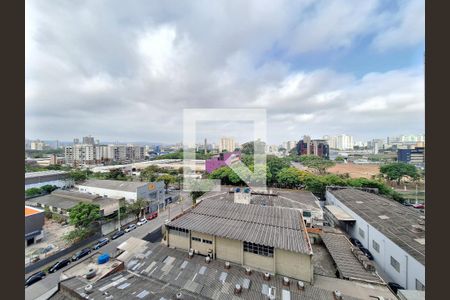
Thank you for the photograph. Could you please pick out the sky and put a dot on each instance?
(125, 70)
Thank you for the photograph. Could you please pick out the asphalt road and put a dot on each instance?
(51, 280)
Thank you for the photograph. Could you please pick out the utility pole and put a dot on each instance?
(118, 211)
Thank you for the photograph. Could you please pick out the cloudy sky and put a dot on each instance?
(125, 70)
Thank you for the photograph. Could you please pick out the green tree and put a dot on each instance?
(84, 214)
(79, 175)
(150, 173)
(339, 159)
(249, 147)
(315, 162)
(195, 195)
(168, 179)
(33, 192)
(137, 207)
(48, 188)
(396, 171)
(289, 177)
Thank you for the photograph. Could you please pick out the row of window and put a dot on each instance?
(196, 239)
(258, 249)
(179, 231)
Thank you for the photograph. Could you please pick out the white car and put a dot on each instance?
(130, 227)
(141, 222)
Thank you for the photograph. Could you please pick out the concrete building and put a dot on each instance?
(130, 191)
(414, 156)
(227, 143)
(38, 179)
(220, 160)
(307, 146)
(246, 234)
(88, 140)
(37, 145)
(61, 201)
(34, 221)
(393, 233)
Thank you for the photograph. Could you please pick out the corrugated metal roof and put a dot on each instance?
(277, 227)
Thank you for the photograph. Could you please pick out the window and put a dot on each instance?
(258, 249)
(207, 241)
(196, 239)
(307, 214)
(361, 233)
(395, 264)
(376, 246)
(419, 285)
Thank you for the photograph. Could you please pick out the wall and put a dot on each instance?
(410, 268)
(294, 265)
(229, 250)
(112, 226)
(177, 241)
(58, 183)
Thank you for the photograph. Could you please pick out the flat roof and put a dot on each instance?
(405, 226)
(162, 272)
(68, 199)
(31, 211)
(281, 228)
(118, 185)
(339, 213)
(44, 173)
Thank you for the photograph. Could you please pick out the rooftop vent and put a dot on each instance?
(248, 271)
(179, 295)
(285, 281)
(207, 259)
(237, 289)
(337, 295)
(227, 265)
(88, 288)
(267, 276)
(300, 285)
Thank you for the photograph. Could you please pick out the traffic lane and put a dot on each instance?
(41, 287)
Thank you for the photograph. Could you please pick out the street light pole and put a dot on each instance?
(119, 214)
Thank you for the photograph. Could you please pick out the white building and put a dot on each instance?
(38, 179)
(227, 143)
(393, 233)
(130, 191)
(37, 145)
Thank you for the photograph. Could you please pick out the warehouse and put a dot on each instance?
(393, 233)
(34, 221)
(38, 179)
(265, 238)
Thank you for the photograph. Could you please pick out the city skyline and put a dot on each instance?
(131, 77)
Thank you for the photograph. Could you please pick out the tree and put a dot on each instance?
(116, 174)
(33, 192)
(396, 171)
(168, 179)
(249, 147)
(195, 195)
(289, 177)
(79, 175)
(84, 214)
(150, 173)
(137, 207)
(339, 159)
(316, 162)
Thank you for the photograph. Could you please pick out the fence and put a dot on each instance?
(112, 225)
(61, 253)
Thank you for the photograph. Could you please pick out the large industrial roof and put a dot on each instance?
(118, 185)
(31, 211)
(161, 273)
(405, 226)
(277, 227)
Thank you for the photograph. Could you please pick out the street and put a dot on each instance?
(51, 280)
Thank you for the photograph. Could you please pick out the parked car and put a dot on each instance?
(34, 278)
(59, 265)
(419, 206)
(80, 254)
(141, 222)
(395, 287)
(100, 243)
(367, 253)
(118, 234)
(356, 242)
(152, 215)
(130, 227)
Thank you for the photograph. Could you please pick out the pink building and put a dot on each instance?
(219, 160)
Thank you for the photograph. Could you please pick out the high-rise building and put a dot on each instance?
(37, 145)
(227, 143)
(340, 142)
(76, 141)
(308, 146)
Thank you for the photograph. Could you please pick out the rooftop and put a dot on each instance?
(277, 227)
(44, 173)
(403, 225)
(31, 211)
(118, 185)
(161, 272)
(298, 199)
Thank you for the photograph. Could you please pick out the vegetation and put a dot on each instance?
(48, 188)
(179, 155)
(249, 147)
(43, 153)
(396, 171)
(33, 192)
(168, 179)
(317, 163)
(33, 167)
(195, 195)
(78, 234)
(137, 207)
(79, 175)
(339, 159)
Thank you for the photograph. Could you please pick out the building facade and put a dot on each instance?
(393, 233)
(227, 143)
(414, 156)
(307, 146)
(34, 222)
(220, 160)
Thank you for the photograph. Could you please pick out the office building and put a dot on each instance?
(392, 232)
(307, 146)
(414, 156)
(219, 160)
(340, 142)
(37, 145)
(227, 144)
